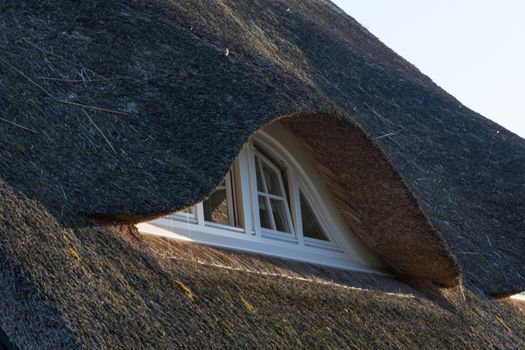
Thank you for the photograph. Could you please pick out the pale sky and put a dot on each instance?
(473, 49)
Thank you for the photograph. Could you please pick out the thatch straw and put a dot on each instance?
(91, 286)
(376, 202)
(17, 125)
(439, 170)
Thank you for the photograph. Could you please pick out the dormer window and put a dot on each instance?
(274, 213)
(272, 201)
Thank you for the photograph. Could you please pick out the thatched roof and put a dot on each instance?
(129, 110)
(110, 287)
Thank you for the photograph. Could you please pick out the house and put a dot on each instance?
(115, 114)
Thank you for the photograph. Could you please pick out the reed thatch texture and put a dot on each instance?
(132, 110)
(92, 286)
(373, 198)
(129, 110)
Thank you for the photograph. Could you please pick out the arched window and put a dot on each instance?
(272, 201)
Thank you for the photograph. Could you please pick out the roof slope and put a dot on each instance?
(109, 287)
(139, 108)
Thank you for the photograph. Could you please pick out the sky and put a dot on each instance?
(473, 49)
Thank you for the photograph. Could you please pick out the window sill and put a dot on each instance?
(241, 241)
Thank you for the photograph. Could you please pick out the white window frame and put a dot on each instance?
(337, 251)
(270, 232)
(518, 297)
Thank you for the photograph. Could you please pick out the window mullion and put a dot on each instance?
(229, 199)
(249, 191)
(200, 214)
(273, 196)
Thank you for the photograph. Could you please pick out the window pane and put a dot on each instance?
(311, 227)
(260, 186)
(272, 180)
(264, 215)
(279, 215)
(216, 207)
